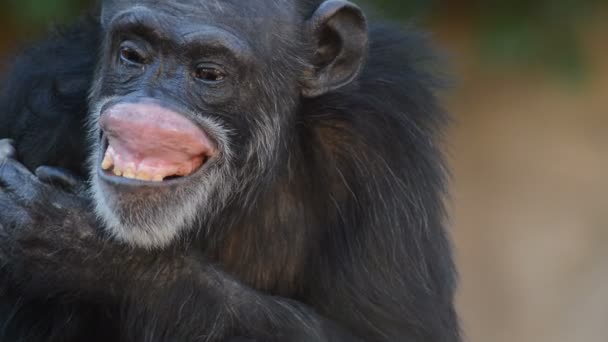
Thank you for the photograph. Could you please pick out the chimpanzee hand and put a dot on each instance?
(49, 237)
(51, 240)
(42, 227)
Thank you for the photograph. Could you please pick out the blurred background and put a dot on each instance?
(528, 149)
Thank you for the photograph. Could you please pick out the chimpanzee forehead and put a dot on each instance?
(253, 18)
(212, 10)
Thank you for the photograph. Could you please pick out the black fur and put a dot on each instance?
(43, 99)
(351, 225)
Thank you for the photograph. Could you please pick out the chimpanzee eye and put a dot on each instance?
(130, 56)
(210, 74)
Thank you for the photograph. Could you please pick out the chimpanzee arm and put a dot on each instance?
(196, 300)
(49, 246)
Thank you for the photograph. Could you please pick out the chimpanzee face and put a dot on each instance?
(191, 103)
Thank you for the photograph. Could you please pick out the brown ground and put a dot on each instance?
(530, 208)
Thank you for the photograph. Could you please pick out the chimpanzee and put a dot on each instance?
(260, 170)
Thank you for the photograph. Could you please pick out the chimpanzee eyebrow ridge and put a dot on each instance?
(154, 29)
(217, 39)
(140, 22)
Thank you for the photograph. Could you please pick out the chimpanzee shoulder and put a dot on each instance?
(44, 92)
(382, 137)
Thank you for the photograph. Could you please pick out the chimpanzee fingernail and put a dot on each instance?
(6, 148)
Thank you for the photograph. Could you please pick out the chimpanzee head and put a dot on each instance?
(196, 102)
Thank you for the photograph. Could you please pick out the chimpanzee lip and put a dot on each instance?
(110, 177)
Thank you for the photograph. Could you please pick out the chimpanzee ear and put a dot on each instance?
(338, 31)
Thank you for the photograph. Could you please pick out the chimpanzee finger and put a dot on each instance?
(16, 178)
(57, 176)
(11, 214)
(7, 149)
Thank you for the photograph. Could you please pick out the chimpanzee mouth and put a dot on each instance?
(146, 142)
(116, 165)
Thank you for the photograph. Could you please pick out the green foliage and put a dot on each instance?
(540, 34)
(33, 12)
(401, 9)
(536, 33)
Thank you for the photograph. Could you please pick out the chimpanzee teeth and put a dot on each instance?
(143, 176)
(117, 171)
(129, 173)
(107, 162)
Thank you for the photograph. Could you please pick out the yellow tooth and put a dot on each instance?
(117, 170)
(143, 176)
(158, 178)
(107, 162)
(130, 173)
